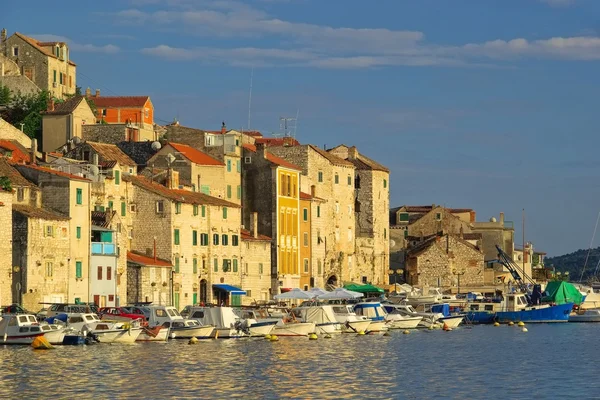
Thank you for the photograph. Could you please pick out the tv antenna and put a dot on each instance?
(250, 97)
(287, 125)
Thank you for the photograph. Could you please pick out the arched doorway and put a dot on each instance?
(203, 291)
(332, 282)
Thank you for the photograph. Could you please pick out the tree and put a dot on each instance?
(4, 95)
(26, 110)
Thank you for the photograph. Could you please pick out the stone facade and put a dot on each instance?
(444, 260)
(41, 251)
(256, 276)
(109, 133)
(306, 267)
(11, 77)
(9, 132)
(63, 122)
(6, 267)
(496, 232)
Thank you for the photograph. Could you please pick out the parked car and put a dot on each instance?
(13, 309)
(121, 312)
(42, 314)
(59, 308)
(137, 310)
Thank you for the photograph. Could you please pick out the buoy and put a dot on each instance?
(510, 323)
(328, 336)
(496, 323)
(360, 332)
(431, 327)
(446, 327)
(521, 323)
(313, 336)
(41, 343)
(193, 340)
(524, 329)
(274, 338)
(267, 336)
(406, 332)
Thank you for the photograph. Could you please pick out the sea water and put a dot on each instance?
(482, 362)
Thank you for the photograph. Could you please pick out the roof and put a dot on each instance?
(247, 235)
(427, 243)
(273, 158)
(54, 172)
(255, 134)
(335, 160)
(363, 162)
(39, 213)
(289, 141)
(39, 45)
(66, 107)
(472, 236)
(8, 170)
(139, 152)
(305, 196)
(19, 153)
(111, 152)
(120, 101)
(426, 209)
(182, 196)
(145, 261)
(195, 155)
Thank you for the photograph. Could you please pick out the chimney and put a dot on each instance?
(95, 159)
(97, 93)
(352, 153)
(172, 179)
(3, 35)
(261, 150)
(88, 93)
(313, 191)
(288, 141)
(473, 215)
(223, 127)
(502, 218)
(462, 232)
(254, 223)
(51, 105)
(33, 150)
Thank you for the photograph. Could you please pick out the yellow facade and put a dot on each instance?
(288, 221)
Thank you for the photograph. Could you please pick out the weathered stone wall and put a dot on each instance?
(6, 271)
(20, 84)
(104, 133)
(9, 132)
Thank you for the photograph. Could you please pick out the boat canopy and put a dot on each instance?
(561, 292)
(363, 288)
(228, 288)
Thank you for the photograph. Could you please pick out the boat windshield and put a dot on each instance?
(173, 312)
(32, 319)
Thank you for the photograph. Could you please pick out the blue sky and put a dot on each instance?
(487, 104)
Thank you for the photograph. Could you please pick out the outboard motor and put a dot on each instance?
(536, 295)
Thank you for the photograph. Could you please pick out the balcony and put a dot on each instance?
(107, 249)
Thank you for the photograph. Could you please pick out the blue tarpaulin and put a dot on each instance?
(228, 288)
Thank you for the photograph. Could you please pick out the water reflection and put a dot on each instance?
(479, 362)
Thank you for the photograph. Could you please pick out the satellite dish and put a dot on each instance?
(156, 146)
(76, 140)
(492, 219)
(170, 158)
(392, 243)
(94, 170)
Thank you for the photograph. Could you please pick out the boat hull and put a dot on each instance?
(146, 335)
(451, 322)
(199, 332)
(558, 313)
(480, 317)
(405, 323)
(294, 329)
(356, 326)
(19, 339)
(262, 328)
(586, 316)
(118, 335)
(377, 326)
(56, 336)
(328, 328)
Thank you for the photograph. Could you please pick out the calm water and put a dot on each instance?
(549, 361)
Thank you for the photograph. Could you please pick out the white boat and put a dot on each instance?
(257, 325)
(398, 320)
(226, 323)
(55, 334)
(19, 329)
(591, 315)
(428, 318)
(417, 296)
(321, 315)
(180, 328)
(350, 322)
(375, 312)
(154, 334)
(294, 328)
(116, 332)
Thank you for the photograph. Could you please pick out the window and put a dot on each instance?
(15, 51)
(364, 279)
(177, 263)
(132, 208)
(99, 273)
(216, 239)
(79, 198)
(203, 211)
(195, 209)
(384, 233)
(204, 239)
(205, 189)
(60, 78)
(78, 232)
(319, 267)
(176, 237)
(406, 233)
(260, 268)
(438, 216)
(216, 265)
(226, 265)
(194, 238)
(306, 265)
(78, 269)
(336, 178)
(49, 270)
(54, 75)
(337, 207)
(160, 206)
(108, 273)
(228, 191)
(306, 239)
(238, 166)
(224, 240)
(384, 183)
(234, 240)
(195, 265)
(235, 265)
(20, 194)
(320, 176)
(247, 160)
(305, 214)
(228, 165)
(123, 209)
(349, 180)
(349, 234)
(117, 177)
(404, 217)
(318, 211)
(49, 231)
(178, 208)
(110, 204)
(239, 192)
(224, 212)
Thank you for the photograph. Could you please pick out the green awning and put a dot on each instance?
(561, 292)
(363, 288)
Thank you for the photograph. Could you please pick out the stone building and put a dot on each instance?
(6, 268)
(14, 152)
(371, 204)
(496, 232)
(112, 133)
(68, 195)
(24, 192)
(272, 188)
(40, 256)
(447, 262)
(12, 78)
(47, 64)
(9, 132)
(103, 267)
(62, 122)
(256, 256)
(148, 279)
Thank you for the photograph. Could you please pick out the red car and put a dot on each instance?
(111, 312)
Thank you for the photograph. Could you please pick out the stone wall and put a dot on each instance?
(104, 133)
(6, 270)
(9, 132)
(256, 281)
(19, 84)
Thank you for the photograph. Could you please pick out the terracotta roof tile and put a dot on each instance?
(66, 107)
(247, 235)
(19, 153)
(335, 160)
(111, 152)
(255, 134)
(146, 261)
(7, 169)
(195, 155)
(120, 101)
(54, 172)
(39, 213)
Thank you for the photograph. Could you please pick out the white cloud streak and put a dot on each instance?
(74, 46)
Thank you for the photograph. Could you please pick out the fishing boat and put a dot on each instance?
(180, 328)
(19, 329)
(398, 320)
(225, 322)
(259, 323)
(375, 312)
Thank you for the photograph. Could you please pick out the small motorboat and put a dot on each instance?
(583, 315)
(19, 329)
(398, 320)
(351, 323)
(375, 312)
(117, 332)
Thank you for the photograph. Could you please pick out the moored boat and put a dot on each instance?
(397, 320)
(349, 321)
(375, 312)
(19, 329)
(294, 328)
(592, 315)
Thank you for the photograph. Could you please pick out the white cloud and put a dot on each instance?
(74, 46)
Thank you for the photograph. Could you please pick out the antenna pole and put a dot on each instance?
(250, 96)
(524, 254)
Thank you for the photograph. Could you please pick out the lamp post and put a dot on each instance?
(458, 273)
(566, 276)
(558, 275)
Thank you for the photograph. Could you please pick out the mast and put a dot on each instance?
(524, 241)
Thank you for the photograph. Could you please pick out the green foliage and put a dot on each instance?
(574, 262)
(4, 95)
(26, 109)
(5, 184)
(92, 105)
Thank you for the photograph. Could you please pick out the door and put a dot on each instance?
(203, 292)
(97, 300)
(236, 300)
(176, 305)
(195, 298)
(102, 301)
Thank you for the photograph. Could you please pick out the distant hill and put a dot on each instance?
(574, 262)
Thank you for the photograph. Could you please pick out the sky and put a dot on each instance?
(482, 104)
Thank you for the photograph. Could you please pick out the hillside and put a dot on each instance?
(574, 262)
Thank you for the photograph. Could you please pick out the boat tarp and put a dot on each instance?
(220, 317)
(363, 288)
(318, 315)
(561, 292)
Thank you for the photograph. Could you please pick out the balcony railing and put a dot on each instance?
(104, 248)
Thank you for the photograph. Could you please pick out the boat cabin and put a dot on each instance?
(373, 311)
(161, 315)
(219, 317)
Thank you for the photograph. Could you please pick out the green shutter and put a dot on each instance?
(216, 239)
(224, 212)
(195, 209)
(239, 167)
(195, 298)
(110, 204)
(54, 75)
(176, 236)
(204, 211)
(117, 177)
(194, 238)
(235, 265)
(123, 209)
(384, 183)
(239, 192)
(224, 240)
(216, 265)
(234, 240)
(205, 189)
(195, 261)
(319, 211)
(78, 232)
(177, 264)
(228, 191)
(403, 216)
(78, 270)
(305, 211)
(176, 305)
(228, 165)
(79, 196)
